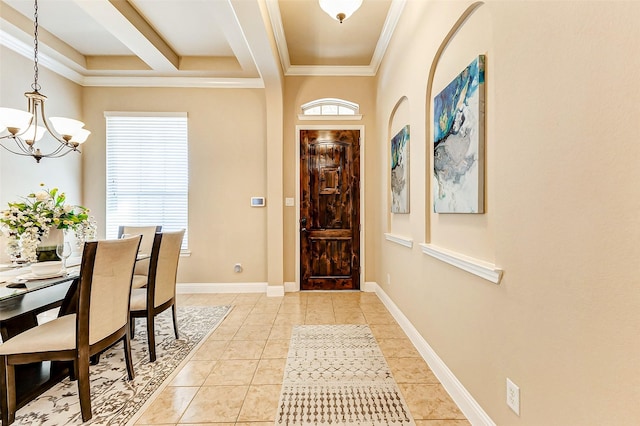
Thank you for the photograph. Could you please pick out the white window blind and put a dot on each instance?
(147, 171)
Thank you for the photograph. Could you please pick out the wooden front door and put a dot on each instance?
(329, 209)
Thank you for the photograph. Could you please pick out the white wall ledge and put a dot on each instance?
(403, 241)
(483, 269)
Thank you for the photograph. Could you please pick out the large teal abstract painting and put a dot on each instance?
(458, 143)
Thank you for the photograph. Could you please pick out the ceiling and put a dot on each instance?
(197, 43)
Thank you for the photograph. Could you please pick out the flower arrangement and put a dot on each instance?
(28, 222)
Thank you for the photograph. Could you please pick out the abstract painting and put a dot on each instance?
(458, 143)
(400, 171)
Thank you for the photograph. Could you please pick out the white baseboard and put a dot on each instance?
(182, 288)
(275, 290)
(370, 287)
(290, 287)
(469, 407)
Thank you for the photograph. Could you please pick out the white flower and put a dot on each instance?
(29, 221)
(42, 196)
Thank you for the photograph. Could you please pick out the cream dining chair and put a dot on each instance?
(141, 274)
(160, 293)
(100, 320)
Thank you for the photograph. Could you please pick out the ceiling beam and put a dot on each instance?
(131, 29)
(225, 17)
(255, 27)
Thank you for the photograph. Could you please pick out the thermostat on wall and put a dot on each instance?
(257, 201)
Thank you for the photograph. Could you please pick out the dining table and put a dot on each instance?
(24, 295)
(23, 298)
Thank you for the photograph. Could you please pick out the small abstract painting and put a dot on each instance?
(458, 143)
(400, 171)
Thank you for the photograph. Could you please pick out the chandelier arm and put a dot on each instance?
(54, 153)
(53, 133)
(19, 144)
(61, 155)
(18, 134)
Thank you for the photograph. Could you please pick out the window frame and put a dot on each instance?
(179, 145)
(339, 104)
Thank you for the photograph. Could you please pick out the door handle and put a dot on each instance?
(303, 224)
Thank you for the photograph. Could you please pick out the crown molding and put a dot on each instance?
(278, 32)
(198, 82)
(19, 46)
(329, 70)
(395, 10)
(389, 27)
(10, 41)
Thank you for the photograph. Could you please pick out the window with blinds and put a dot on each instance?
(147, 171)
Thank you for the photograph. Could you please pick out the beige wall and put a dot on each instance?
(561, 195)
(561, 198)
(298, 91)
(227, 166)
(21, 175)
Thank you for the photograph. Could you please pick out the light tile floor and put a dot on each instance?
(235, 376)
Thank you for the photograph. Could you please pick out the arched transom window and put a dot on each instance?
(331, 107)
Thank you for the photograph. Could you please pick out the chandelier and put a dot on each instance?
(340, 9)
(25, 128)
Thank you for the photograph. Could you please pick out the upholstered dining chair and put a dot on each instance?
(100, 320)
(160, 293)
(141, 273)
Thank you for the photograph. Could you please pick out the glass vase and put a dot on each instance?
(46, 250)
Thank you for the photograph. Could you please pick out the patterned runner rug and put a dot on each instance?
(337, 375)
(114, 400)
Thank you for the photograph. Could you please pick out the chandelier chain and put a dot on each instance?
(35, 86)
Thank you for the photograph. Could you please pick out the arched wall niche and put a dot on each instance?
(468, 234)
(397, 223)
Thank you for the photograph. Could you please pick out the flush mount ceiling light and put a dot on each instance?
(25, 128)
(340, 9)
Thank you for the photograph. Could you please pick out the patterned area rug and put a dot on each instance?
(337, 375)
(114, 400)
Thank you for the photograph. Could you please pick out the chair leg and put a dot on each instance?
(84, 389)
(58, 365)
(175, 320)
(73, 371)
(94, 360)
(132, 327)
(7, 392)
(151, 337)
(127, 356)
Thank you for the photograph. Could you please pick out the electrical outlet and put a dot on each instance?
(513, 396)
